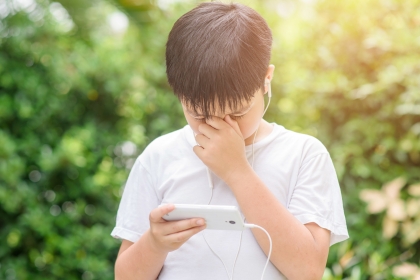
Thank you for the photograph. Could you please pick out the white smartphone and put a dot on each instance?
(221, 217)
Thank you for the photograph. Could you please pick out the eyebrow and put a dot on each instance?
(243, 110)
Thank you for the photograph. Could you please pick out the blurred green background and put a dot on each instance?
(83, 91)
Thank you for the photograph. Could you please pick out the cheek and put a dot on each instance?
(193, 124)
(249, 125)
(194, 127)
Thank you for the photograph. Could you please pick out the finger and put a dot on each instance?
(216, 122)
(183, 236)
(202, 140)
(157, 213)
(234, 124)
(207, 130)
(182, 225)
(198, 150)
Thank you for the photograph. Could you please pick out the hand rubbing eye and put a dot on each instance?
(237, 117)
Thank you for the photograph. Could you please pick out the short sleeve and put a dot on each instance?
(317, 197)
(138, 199)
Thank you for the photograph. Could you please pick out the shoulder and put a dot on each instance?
(165, 141)
(300, 141)
(304, 145)
(163, 147)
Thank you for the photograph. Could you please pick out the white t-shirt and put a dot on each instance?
(296, 167)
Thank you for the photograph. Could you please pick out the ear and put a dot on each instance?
(268, 76)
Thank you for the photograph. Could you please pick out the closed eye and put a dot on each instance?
(233, 117)
(238, 117)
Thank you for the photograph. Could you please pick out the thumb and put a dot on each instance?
(233, 124)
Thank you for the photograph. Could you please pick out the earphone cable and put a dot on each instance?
(271, 245)
(230, 277)
(210, 179)
(269, 98)
(247, 225)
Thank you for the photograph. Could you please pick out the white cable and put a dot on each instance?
(217, 256)
(230, 277)
(211, 187)
(210, 179)
(237, 254)
(269, 98)
(271, 245)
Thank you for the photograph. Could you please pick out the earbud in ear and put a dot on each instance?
(269, 88)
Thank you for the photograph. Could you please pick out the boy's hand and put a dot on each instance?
(222, 147)
(168, 236)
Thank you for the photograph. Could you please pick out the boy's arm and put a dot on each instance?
(139, 260)
(144, 259)
(299, 251)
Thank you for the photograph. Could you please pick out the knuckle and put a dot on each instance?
(174, 228)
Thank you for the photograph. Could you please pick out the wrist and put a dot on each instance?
(154, 246)
(238, 173)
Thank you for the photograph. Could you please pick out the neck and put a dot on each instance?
(263, 130)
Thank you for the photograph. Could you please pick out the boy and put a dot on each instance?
(217, 58)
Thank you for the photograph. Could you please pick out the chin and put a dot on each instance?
(251, 132)
(247, 136)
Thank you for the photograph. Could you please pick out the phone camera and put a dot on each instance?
(232, 222)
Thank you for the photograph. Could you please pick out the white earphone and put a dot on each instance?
(269, 88)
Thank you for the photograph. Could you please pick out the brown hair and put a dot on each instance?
(218, 53)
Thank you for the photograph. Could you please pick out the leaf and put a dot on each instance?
(392, 189)
(413, 207)
(346, 258)
(389, 228)
(376, 200)
(396, 210)
(414, 190)
(410, 231)
(405, 270)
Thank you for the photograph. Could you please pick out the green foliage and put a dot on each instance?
(348, 74)
(77, 100)
(80, 100)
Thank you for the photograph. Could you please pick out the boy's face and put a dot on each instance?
(248, 118)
